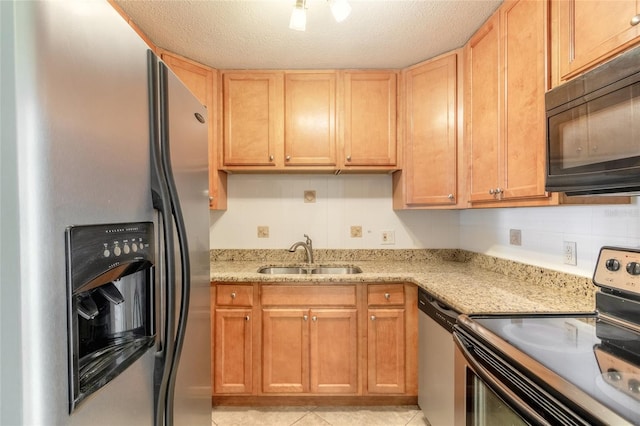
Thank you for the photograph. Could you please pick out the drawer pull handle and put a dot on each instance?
(304, 317)
(314, 318)
(271, 158)
(635, 20)
(233, 295)
(387, 296)
(373, 317)
(246, 318)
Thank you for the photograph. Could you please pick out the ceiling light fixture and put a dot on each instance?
(298, 19)
(339, 8)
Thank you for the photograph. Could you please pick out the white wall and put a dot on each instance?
(545, 228)
(277, 201)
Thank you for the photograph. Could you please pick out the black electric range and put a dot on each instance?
(584, 367)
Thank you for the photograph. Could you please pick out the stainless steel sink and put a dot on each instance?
(312, 269)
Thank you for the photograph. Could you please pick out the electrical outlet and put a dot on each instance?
(569, 252)
(356, 231)
(388, 237)
(263, 232)
(515, 237)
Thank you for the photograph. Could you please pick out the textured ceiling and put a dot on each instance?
(239, 34)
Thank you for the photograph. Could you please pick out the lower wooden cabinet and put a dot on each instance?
(311, 350)
(233, 338)
(386, 351)
(391, 338)
(310, 340)
(233, 351)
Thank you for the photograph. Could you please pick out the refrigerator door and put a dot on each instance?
(75, 142)
(186, 149)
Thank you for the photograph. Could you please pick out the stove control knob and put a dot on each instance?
(633, 268)
(612, 264)
(614, 375)
(634, 386)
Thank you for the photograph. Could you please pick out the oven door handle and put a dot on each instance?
(495, 385)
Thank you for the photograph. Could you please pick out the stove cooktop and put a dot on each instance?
(597, 356)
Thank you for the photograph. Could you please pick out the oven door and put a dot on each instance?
(490, 391)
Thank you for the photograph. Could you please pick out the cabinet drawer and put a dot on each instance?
(234, 295)
(309, 295)
(385, 295)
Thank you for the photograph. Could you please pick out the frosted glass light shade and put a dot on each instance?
(298, 19)
(340, 9)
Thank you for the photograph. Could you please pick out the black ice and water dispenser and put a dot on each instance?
(111, 318)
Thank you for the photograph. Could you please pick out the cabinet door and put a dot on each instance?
(591, 31)
(483, 56)
(386, 351)
(431, 142)
(285, 350)
(310, 116)
(369, 119)
(523, 145)
(233, 351)
(201, 81)
(334, 351)
(252, 118)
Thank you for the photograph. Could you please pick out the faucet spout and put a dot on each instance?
(308, 248)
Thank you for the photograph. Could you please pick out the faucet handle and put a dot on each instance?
(309, 242)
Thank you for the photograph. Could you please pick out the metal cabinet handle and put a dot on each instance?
(387, 296)
(373, 317)
(635, 20)
(499, 190)
(305, 317)
(233, 295)
(491, 191)
(288, 158)
(450, 196)
(348, 158)
(314, 318)
(246, 318)
(271, 158)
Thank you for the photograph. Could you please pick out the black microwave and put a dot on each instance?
(593, 130)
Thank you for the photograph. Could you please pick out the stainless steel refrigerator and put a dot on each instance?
(103, 167)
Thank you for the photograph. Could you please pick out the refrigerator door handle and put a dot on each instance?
(165, 154)
(167, 270)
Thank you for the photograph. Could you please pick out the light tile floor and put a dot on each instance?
(319, 416)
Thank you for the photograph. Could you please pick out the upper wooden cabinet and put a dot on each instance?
(590, 31)
(321, 121)
(252, 119)
(430, 173)
(505, 116)
(369, 136)
(310, 118)
(202, 81)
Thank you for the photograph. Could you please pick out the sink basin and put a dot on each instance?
(307, 270)
(336, 270)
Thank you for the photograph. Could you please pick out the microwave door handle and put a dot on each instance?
(167, 269)
(495, 385)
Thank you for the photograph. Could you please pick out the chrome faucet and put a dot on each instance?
(308, 248)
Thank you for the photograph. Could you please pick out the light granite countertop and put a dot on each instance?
(469, 282)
